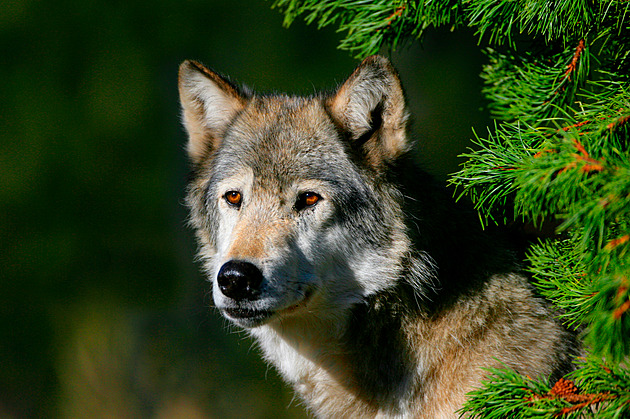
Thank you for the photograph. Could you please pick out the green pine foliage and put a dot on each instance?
(558, 84)
(595, 389)
(371, 25)
(559, 268)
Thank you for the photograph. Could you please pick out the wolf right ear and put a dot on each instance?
(209, 103)
(370, 106)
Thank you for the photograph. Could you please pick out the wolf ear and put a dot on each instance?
(370, 106)
(209, 103)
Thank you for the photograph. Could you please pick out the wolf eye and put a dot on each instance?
(233, 198)
(306, 199)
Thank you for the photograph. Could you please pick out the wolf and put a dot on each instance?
(370, 292)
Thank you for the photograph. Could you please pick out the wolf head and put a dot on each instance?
(290, 197)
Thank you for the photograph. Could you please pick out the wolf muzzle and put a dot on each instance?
(240, 280)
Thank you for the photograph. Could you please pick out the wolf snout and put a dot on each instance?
(240, 280)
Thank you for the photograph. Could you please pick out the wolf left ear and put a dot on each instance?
(370, 106)
(209, 104)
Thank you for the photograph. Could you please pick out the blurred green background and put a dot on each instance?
(103, 312)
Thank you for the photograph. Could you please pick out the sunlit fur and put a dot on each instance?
(373, 303)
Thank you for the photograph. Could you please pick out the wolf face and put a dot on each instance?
(287, 198)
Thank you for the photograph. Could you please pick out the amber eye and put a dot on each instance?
(310, 199)
(233, 198)
(307, 199)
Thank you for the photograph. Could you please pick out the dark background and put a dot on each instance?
(102, 309)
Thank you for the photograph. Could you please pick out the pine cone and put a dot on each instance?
(564, 388)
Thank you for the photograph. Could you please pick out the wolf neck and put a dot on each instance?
(354, 362)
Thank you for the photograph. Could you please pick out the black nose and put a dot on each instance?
(240, 280)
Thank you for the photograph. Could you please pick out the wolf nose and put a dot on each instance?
(240, 280)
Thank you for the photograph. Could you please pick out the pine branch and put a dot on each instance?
(609, 325)
(576, 180)
(499, 20)
(371, 25)
(559, 269)
(594, 390)
(596, 377)
(367, 24)
(489, 174)
(529, 87)
(503, 394)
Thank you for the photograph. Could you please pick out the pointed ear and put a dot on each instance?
(370, 106)
(209, 103)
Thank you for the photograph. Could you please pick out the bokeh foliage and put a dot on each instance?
(102, 309)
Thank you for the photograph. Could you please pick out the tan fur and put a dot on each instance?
(205, 128)
(455, 350)
(255, 235)
(351, 106)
